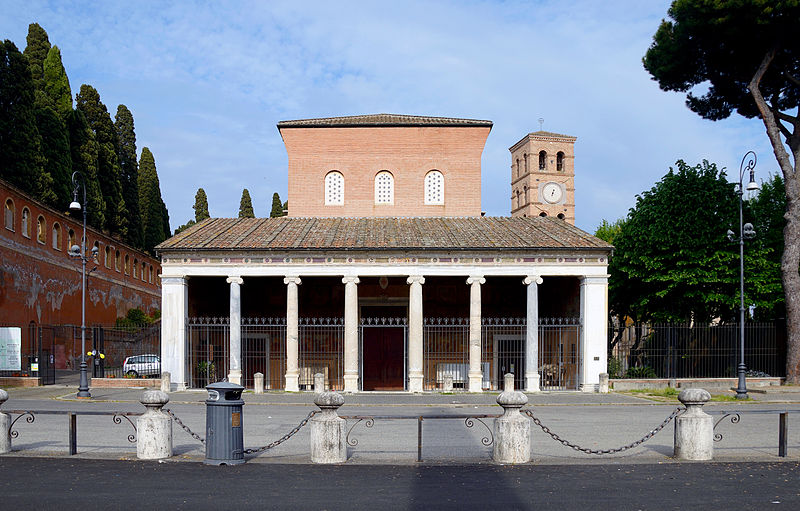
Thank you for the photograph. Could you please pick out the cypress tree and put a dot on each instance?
(84, 159)
(164, 218)
(129, 173)
(108, 171)
(246, 206)
(21, 159)
(151, 206)
(36, 52)
(56, 83)
(55, 184)
(200, 206)
(277, 206)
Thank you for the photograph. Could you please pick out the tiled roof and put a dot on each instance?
(437, 233)
(386, 120)
(549, 134)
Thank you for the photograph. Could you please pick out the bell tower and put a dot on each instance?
(543, 176)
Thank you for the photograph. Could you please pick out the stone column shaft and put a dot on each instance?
(175, 309)
(235, 369)
(475, 372)
(532, 334)
(415, 319)
(350, 333)
(292, 334)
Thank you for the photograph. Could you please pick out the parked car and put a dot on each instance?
(142, 365)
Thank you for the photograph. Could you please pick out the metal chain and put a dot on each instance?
(285, 437)
(184, 426)
(644, 439)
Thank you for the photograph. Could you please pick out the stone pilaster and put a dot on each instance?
(415, 318)
(235, 369)
(350, 333)
(175, 309)
(594, 324)
(532, 334)
(475, 372)
(292, 334)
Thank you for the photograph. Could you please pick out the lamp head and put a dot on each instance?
(752, 185)
(748, 231)
(731, 235)
(74, 251)
(75, 205)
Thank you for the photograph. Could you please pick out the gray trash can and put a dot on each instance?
(224, 432)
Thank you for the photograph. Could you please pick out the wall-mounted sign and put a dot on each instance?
(10, 345)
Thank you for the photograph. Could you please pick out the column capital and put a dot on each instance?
(181, 281)
(597, 280)
(476, 279)
(532, 279)
(234, 280)
(292, 279)
(415, 279)
(350, 279)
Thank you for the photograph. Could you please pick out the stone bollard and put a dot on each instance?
(258, 383)
(603, 388)
(166, 381)
(5, 424)
(154, 427)
(694, 428)
(512, 431)
(447, 383)
(319, 383)
(328, 430)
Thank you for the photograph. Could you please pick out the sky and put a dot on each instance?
(207, 82)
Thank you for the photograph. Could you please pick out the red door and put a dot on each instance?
(383, 353)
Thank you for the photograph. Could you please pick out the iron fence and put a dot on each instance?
(559, 353)
(321, 350)
(503, 351)
(683, 350)
(138, 345)
(264, 351)
(445, 344)
(208, 344)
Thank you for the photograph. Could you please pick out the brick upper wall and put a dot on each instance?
(359, 153)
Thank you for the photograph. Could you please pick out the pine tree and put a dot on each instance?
(108, 171)
(151, 206)
(56, 83)
(84, 159)
(246, 206)
(201, 206)
(129, 173)
(21, 159)
(277, 206)
(36, 52)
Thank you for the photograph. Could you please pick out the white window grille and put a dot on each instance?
(434, 187)
(384, 188)
(334, 189)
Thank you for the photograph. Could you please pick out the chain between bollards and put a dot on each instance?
(185, 427)
(599, 452)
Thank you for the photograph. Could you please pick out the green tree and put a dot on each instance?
(201, 206)
(56, 83)
(129, 173)
(36, 51)
(246, 206)
(277, 206)
(21, 158)
(83, 147)
(108, 170)
(745, 57)
(55, 183)
(150, 203)
(767, 210)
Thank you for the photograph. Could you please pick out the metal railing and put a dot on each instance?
(321, 350)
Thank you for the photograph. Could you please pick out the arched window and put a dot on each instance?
(561, 216)
(519, 201)
(107, 257)
(143, 270)
(135, 266)
(525, 157)
(519, 169)
(96, 251)
(526, 193)
(56, 236)
(41, 235)
(127, 266)
(8, 214)
(560, 161)
(384, 187)
(542, 160)
(542, 214)
(434, 187)
(26, 222)
(116, 260)
(150, 274)
(334, 189)
(70, 239)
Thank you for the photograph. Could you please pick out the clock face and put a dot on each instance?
(552, 193)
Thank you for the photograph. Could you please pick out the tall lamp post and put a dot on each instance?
(75, 251)
(746, 231)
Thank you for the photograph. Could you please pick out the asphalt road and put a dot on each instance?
(59, 483)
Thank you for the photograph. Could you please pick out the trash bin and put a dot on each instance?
(224, 432)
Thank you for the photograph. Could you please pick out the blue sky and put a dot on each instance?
(208, 81)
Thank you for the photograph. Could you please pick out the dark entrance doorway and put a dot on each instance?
(511, 359)
(383, 348)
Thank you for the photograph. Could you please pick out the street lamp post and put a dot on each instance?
(746, 231)
(75, 251)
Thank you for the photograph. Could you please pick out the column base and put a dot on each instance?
(532, 382)
(235, 376)
(351, 383)
(475, 382)
(589, 387)
(178, 386)
(292, 382)
(415, 382)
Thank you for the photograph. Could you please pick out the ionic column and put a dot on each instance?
(475, 372)
(175, 309)
(415, 333)
(292, 329)
(235, 369)
(594, 324)
(350, 333)
(532, 334)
